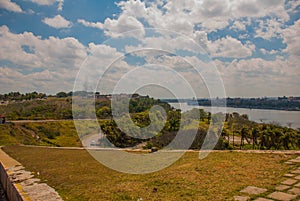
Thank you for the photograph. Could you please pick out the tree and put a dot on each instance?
(61, 95)
(288, 138)
(173, 122)
(245, 116)
(104, 112)
(237, 132)
(264, 140)
(255, 134)
(225, 134)
(244, 134)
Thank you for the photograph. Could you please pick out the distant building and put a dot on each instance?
(2, 119)
(135, 96)
(296, 99)
(283, 99)
(271, 98)
(2, 102)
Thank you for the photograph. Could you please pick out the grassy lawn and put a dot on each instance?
(77, 176)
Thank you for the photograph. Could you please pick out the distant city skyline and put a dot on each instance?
(254, 45)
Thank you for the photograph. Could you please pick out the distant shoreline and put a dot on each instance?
(282, 104)
(255, 108)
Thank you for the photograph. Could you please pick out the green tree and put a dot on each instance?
(289, 138)
(61, 95)
(255, 134)
(173, 123)
(104, 112)
(244, 136)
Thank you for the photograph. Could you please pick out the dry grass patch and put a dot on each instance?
(77, 176)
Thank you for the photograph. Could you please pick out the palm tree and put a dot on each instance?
(264, 140)
(244, 134)
(224, 134)
(255, 133)
(237, 132)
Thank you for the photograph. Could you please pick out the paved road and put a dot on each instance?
(86, 141)
(42, 121)
(51, 120)
(292, 152)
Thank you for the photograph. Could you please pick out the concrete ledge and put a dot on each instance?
(9, 188)
(20, 185)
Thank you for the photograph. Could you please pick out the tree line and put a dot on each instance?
(17, 96)
(238, 132)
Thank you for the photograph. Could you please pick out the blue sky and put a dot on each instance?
(72, 10)
(251, 46)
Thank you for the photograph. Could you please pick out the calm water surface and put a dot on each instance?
(284, 118)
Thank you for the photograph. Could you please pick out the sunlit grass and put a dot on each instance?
(77, 176)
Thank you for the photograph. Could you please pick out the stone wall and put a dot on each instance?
(9, 188)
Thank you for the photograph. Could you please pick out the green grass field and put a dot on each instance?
(62, 133)
(220, 176)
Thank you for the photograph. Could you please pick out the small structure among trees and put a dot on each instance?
(2, 119)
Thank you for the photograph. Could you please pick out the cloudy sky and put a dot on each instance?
(252, 45)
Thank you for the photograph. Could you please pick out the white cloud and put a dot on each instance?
(117, 27)
(230, 48)
(209, 15)
(97, 25)
(51, 53)
(258, 8)
(44, 2)
(292, 38)
(60, 3)
(293, 5)
(11, 6)
(172, 44)
(227, 47)
(57, 22)
(270, 28)
(196, 18)
(46, 81)
(58, 59)
(258, 77)
(54, 62)
(264, 51)
(239, 25)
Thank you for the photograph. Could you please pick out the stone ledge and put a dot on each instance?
(20, 185)
(252, 190)
(282, 196)
(241, 198)
(263, 199)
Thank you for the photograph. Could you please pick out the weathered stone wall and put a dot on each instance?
(9, 188)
